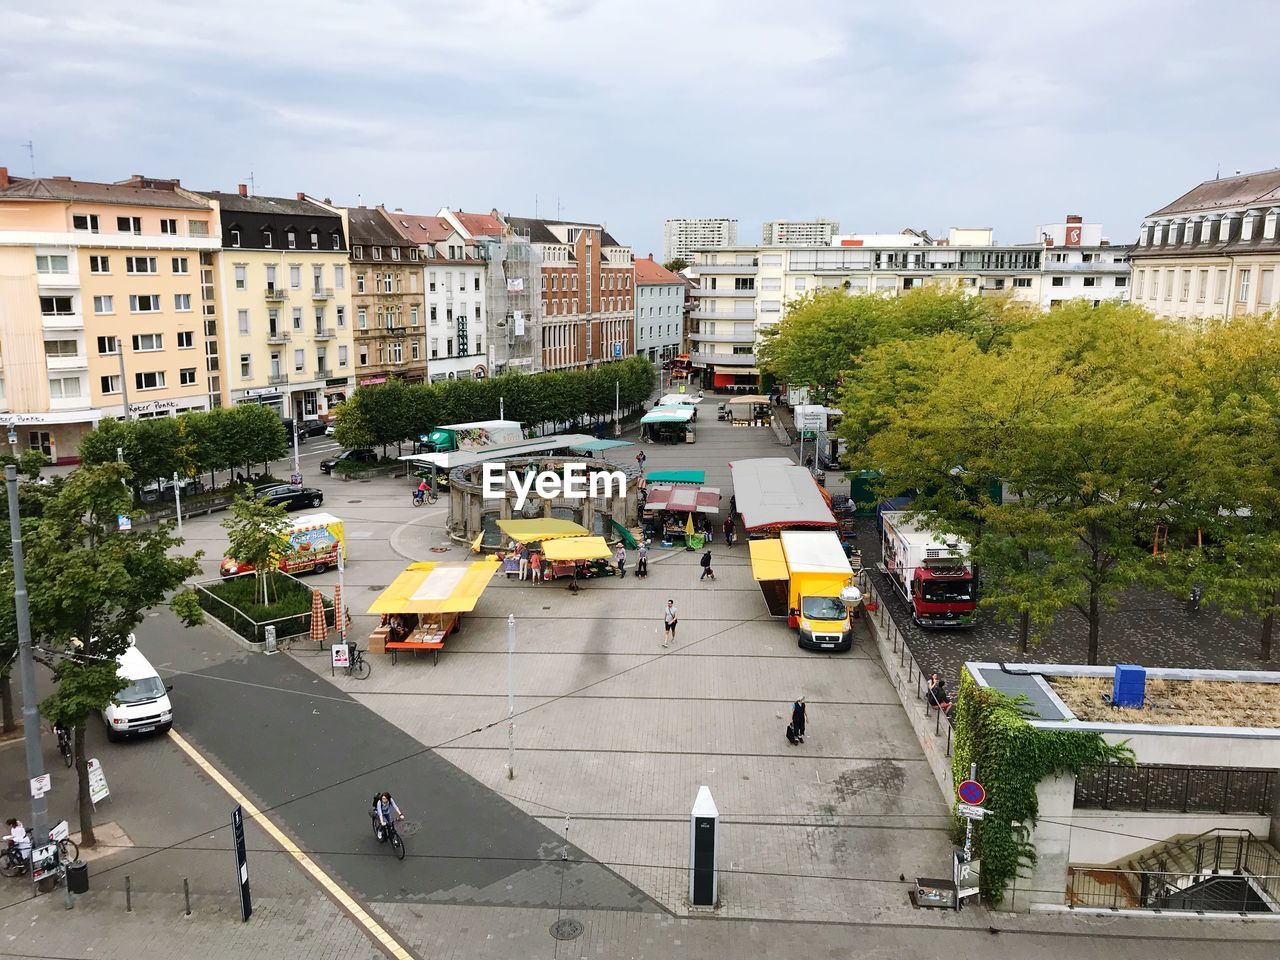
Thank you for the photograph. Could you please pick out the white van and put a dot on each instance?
(143, 706)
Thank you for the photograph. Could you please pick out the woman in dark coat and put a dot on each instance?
(799, 714)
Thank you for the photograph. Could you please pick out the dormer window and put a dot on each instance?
(235, 236)
(395, 253)
(315, 240)
(337, 241)
(377, 253)
(291, 239)
(267, 240)
(357, 253)
(413, 253)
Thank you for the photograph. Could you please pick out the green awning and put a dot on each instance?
(595, 446)
(668, 415)
(696, 477)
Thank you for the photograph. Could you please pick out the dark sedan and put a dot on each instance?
(291, 497)
(359, 455)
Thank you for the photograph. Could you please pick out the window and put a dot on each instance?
(315, 240)
(295, 276)
(85, 221)
(169, 226)
(317, 278)
(1022, 281)
(61, 348)
(359, 283)
(377, 253)
(414, 349)
(1122, 281)
(242, 322)
(291, 239)
(432, 308)
(413, 316)
(235, 237)
(240, 276)
(413, 253)
(182, 302)
(1266, 280)
(342, 355)
(744, 283)
(1058, 281)
(144, 302)
(104, 304)
(197, 228)
(1202, 286)
(386, 283)
(337, 242)
(147, 342)
(362, 318)
(431, 281)
(111, 383)
(186, 339)
(1168, 284)
(52, 263)
(99, 264)
(187, 376)
(1220, 287)
(299, 360)
(246, 371)
(129, 224)
(319, 319)
(108, 346)
(153, 380)
(268, 240)
(395, 253)
(342, 316)
(180, 265)
(339, 276)
(64, 388)
(357, 252)
(448, 347)
(140, 264)
(1243, 295)
(1090, 281)
(397, 352)
(297, 318)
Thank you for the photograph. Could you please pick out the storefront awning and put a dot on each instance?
(697, 477)
(595, 446)
(683, 499)
(436, 588)
(577, 548)
(680, 400)
(767, 560)
(542, 528)
(668, 415)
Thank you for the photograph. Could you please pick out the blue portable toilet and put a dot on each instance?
(1129, 687)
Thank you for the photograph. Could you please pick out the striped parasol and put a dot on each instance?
(338, 611)
(319, 629)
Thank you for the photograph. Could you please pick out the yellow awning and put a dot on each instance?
(434, 587)
(531, 531)
(577, 548)
(767, 560)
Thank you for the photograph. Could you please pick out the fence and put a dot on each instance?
(1153, 890)
(1179, 789)
(293, 625)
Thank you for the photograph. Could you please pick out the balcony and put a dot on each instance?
(276, 294)
(325, 333)
(705, 337)
(62, 321)
(66, 363)
(1113, 268)
(276, 379)
(277, 336)
(323, 373)
(740, 294)
(322, 293)
(744, 316)
(720, 269)
(67, 280)
(724, 359)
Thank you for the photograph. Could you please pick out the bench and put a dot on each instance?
(435, 646)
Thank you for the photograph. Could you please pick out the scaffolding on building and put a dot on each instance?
(514, 278)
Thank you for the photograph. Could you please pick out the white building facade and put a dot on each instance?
(659, 311)
(682, 236)
(776, 233)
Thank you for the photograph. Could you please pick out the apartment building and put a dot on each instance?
(776, 233)
(1213, 252)
(682, 236)
(284, 286)
(1079, 262)
(387, 299)
(659, 330)
(587, 292)
(102, 309)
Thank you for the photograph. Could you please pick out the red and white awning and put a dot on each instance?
(683, 499)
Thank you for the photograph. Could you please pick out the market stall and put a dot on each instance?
(670, 508)
(577, 557)
(695, 477)
(671, 424)
(425, 604)
(593, 448)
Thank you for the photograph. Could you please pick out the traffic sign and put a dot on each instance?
(970, 812)
(971, 792)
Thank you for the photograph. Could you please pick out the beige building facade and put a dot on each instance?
(102, 308)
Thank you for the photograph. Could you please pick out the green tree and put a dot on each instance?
(256, 535)
(676, 264)
(90, 585)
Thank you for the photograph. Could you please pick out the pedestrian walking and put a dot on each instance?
(620, 558)
(706, 567)
(669, 621)
(640, 459)
(642, 560)
(535, 566)
(729, 530)
(524, 561)
(799, 716)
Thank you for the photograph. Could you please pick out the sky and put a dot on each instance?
(880, 116)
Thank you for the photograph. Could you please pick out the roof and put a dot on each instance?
(436, 588)
(234, 203)
(677, 476)
(421, 229)
(595, 446)
(541, 528)
(777, 492)
(683, 499)
(479, 224)
(539, 229)
(650, 273)
(1227, 193)
(668, 415)
(577, 548)
(368, 225)
(810, 551)
(88, 191)
(1020, 682)
(679, 400)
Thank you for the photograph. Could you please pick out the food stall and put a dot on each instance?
(671, 424)
(425, 604)
(531, 532)
(669, 510)
(577, 557)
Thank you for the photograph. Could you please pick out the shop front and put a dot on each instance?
(55, 436)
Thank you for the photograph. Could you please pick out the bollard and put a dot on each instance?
(66, 888)
(128, 894)
(186, 895)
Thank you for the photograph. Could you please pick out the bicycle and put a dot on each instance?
(13, 863)
(358, 666)
(428, 496)
(64, 745)
(392, 834)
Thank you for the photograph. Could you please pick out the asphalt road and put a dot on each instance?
(313, 759)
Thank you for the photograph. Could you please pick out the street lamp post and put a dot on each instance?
(511, 697)
(297, 466)
(177, 501)
(26, 667)
(124, 386)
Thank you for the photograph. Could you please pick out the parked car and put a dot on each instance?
(328, 431)
(358, 455)
(290, 496)
(153, 492)
(313, 428)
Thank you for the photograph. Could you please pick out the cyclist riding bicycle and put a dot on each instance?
(385, 811)
(421, 493)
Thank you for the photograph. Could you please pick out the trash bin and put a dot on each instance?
(78, 876)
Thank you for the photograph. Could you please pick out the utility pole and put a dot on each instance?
(26, 667)
(339, 616)
(177, 501)
(617, 411)
(124, 386)
(511, 696)
(297, 467)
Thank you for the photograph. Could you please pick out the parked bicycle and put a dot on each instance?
(357, 665)
(16, 863)
(64, 744)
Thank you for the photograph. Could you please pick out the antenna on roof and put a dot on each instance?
(1217, 174)
(31, 152)
(252, 187)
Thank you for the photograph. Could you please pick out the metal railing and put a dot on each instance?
(276, 294)
(322, 293)
(1151, 890)
(325, 333)
(1177, 788)
(277, 378)
(279, 336)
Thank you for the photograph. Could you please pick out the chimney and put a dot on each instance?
(301, 195)
(244, 189)
(328, 201)
(4, 177)
(1074, 218)
(67, 179)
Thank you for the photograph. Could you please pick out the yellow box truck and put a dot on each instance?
(805, 577)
